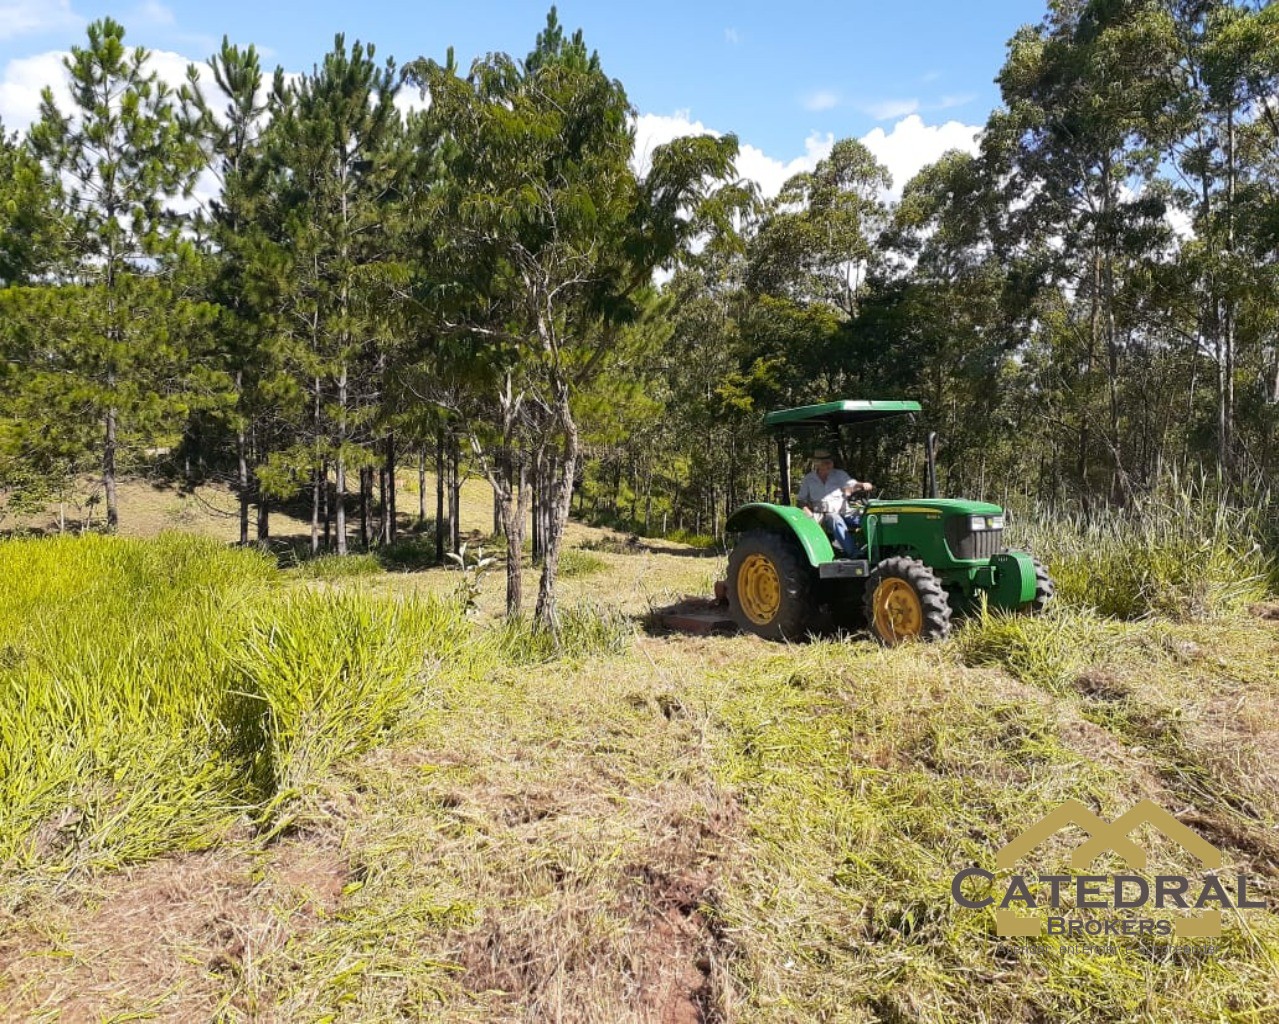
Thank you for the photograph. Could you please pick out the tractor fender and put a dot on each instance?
(786, 519)
(1014, 580)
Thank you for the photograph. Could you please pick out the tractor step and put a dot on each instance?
(844, 569)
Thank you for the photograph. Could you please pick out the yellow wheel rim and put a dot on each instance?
(898, 612)
(759, 589)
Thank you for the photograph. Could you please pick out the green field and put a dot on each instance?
(237, 792)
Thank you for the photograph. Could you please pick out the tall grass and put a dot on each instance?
(1180, 552)
(153, 692)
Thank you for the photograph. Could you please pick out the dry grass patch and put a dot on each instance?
(179, 939)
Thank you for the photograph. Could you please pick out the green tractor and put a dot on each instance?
(924, 559)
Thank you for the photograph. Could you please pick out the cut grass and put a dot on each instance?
(474, 824)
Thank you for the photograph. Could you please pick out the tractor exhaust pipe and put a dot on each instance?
(930, 447)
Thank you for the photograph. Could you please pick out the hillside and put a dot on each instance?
(640, 827)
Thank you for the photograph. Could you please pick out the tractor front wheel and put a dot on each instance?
(905, 601)
(770, 586)
(1044, 590)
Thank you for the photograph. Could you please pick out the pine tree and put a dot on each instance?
(112, 339)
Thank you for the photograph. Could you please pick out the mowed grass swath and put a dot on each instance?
(154, 692)
(612, 827)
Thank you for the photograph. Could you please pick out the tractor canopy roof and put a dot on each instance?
(836, 414)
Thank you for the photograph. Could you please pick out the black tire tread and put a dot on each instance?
(934, 600)
(797, 615)
(1045, 589)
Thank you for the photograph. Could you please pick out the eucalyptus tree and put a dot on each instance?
(1226, 58)
(817, 244)
(112, 338)
(1078, 90)
(551, 237)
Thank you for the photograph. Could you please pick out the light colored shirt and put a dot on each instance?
(825, 495)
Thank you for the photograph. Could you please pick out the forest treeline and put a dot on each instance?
(1087, 304)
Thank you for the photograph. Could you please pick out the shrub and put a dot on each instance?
(585, 630)
(575, 563)
(695, 540)
(408, 554)
(338, 567)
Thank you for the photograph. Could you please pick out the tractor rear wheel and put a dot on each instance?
(1044, 590)
(770, 586)
(905, 601)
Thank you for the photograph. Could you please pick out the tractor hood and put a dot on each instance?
(935, 507)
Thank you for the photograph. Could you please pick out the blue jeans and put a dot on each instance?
(842, 527)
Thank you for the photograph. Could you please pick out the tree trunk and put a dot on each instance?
(648, 501)
(316, 498)
(539, 504)
(365, 488)
(339, 467)
(390, 488)
(242, 470)
(440, 523)
(326, 496)
(108, 470)
(514, 511)
(421, 487)
(1228, 326)
(383, 501)
(455, 492)
(559, 498)
(264, 518)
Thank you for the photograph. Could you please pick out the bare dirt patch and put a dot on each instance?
(178, 939)
(1268, 611)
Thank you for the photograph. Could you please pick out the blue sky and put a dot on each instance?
(895, 74)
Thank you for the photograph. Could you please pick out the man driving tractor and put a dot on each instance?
(824, 494)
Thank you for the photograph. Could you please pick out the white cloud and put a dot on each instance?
(912, 145)
(25, 77)
(731, 35)
(410, 99)
(653, 130)
(21, 17)
(1181, 222)
(771, 173)
(946, 102)
(889, 110)
(21, 83)
(908, 147)
(822, 99)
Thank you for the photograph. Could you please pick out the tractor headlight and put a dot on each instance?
(977, 522)
(996, 522)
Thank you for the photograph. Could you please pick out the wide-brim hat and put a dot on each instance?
(822, 455)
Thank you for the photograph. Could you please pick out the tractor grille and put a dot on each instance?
(966, 543)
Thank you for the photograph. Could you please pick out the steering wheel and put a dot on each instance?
(859, 501)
